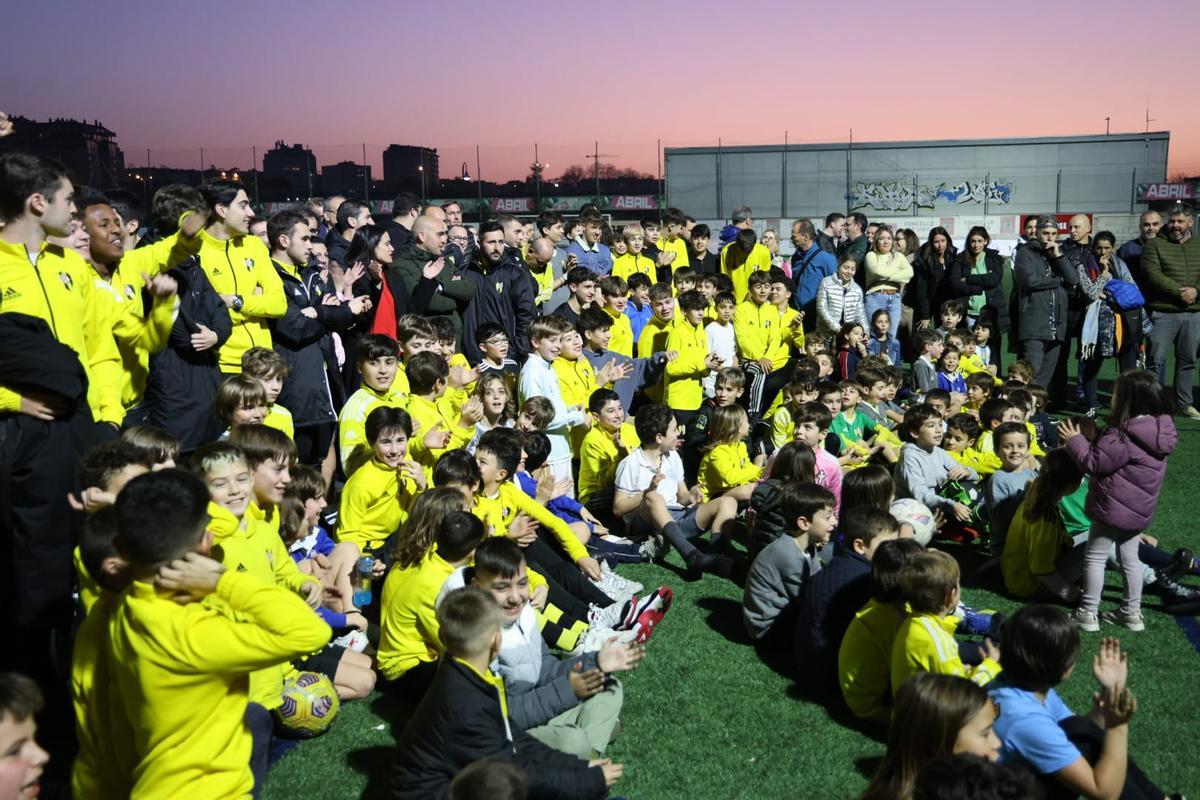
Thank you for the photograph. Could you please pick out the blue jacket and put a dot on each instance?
(833, 596)
(889, 347)
(599, 261)
(808, 269)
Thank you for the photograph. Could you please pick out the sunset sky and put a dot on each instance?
(226, 76)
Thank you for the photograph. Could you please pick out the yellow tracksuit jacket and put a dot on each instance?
(864, 660)
(599, 456)
(352, 422)
(759, 259)
(502, 508)
(374, 504)
(925, 643)
(758, 332)
(725, 467)
(425, 414)
(684, 377)
(180, 679)
(629, 264)
(59, 287)
(252, 545)
(408, 620)
(242, 265)
(621, 334)
(281, 420)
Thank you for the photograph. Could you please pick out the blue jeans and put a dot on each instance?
(889, 303)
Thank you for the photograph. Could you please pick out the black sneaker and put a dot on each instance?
(1179, 565)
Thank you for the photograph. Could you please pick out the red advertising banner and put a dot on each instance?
(1064, 221)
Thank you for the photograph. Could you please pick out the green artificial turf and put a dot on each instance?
(706, 718)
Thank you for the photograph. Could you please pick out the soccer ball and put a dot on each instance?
(917, 515)
(310, 704)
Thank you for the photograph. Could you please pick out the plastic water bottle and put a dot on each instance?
(362, 582)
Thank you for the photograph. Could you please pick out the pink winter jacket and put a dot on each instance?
(1127, 466)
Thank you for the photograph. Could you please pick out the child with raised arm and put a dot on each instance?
(177, 669)
(464, 717)
(1073, 755)
(1128, 463)
(538, 379)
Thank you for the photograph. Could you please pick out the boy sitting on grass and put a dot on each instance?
(781, 572)
(573, 704)
(924, 466)
(376, 357)
(464, 717)
(538, 379)
(652, 496)
(608, 440)
(925, 641)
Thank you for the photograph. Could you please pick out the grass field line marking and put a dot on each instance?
(1191, 629)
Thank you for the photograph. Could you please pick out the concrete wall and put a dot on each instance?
(980, 177)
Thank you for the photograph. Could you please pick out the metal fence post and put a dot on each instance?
(1058, 191)
(719, 204)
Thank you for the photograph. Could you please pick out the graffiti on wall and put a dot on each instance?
(900, 195)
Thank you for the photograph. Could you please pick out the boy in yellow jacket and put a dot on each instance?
(685, 374)
(239, 267)
(762, 352)
(439, 423)
(174, 669)
(925, 640)
(376, 357)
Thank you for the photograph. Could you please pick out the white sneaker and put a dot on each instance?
(596, 638)
(612, 538)
(355, 640)
(1087, 621)
(655, 548)
(609, 617)
(1133, 622)
(613, 585)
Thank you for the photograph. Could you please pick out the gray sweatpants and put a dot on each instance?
(1179, 330)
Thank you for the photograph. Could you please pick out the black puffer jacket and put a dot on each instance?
(182, 387)
(309, 393)
(963, 284)
(503, 295)
(930, 286)
(1039, 296)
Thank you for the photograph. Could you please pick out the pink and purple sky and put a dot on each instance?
(175, 77)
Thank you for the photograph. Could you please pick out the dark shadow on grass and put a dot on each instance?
(867, 766)
(725, 617)
(830, 699)
(376, 764)
(395, 709)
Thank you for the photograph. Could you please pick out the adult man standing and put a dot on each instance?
(1075, 250)
(405, 210)
(302, 336)
(829, 238)
(329, 212)
(811, 264)
(1041, 278)
(1150, 223)
(539, 257)
(856, 244)
(1171, 265)
(503, 295)
(351, 215)
(455, 289)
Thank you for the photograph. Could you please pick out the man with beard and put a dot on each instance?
(1150, 223)
(1171, 264)
(503, 295)
(350, 215)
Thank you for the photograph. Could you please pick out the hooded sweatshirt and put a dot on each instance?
(1129, 464)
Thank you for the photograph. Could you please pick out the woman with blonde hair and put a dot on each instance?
(888, 271)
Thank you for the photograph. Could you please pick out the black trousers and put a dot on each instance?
(546, 560)
(762, 387)
(261, 726)
(1088, 738)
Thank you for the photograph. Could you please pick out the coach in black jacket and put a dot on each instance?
(503, 295)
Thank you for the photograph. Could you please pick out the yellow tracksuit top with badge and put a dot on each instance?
(374, 504)
(599, 456)
(629, 264)
(759, 259)
(684, 377)
(281, 420)
(679, 247)
(252, 545)
(141, 332)
(502, 508)
(60, 289)
(408, 632)
(352, 422)
(242, 265)
(620, 338)
(576, 381)
(725, 467)
(180, 675)
(425, 414)
(758, 331)
(865, 657)
(654, 340)
(925, 643)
